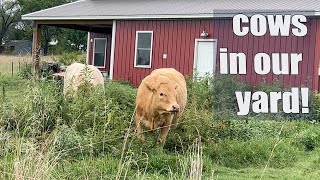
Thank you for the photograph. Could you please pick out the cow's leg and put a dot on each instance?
(165, 129)
(140, 136)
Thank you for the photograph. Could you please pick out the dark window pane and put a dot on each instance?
(144, 40)
(100, 45)
(98, 59)
(143, 57)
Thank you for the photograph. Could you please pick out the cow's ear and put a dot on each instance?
(151, 83)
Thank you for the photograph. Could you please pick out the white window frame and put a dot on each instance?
(136, 50)
(105, 51)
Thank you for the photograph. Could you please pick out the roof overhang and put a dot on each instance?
(159, 9)
(178, 16)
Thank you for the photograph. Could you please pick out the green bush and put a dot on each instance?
(121, 93)
(69, 58)
(66, 140)
(33, 114)
(97, 115)
(277, 87)
(26, 71)
(309, 139)
(316, 106)
(223, 96)
(100, 115)
(199, 93)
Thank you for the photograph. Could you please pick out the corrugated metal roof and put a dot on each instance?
(136, 9)
(17, 42)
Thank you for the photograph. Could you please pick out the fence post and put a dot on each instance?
(12, 68)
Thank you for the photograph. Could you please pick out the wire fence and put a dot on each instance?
(13, 67)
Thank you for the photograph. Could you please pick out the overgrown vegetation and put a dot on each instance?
(91, 136)
(69, 58)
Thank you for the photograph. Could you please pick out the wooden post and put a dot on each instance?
(36, 46)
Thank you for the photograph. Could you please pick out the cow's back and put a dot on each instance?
(72, 71)
(96, 76)
(74, 76)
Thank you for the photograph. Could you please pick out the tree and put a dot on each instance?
(19, 31)
(48, 33)
(10, 13)
(73, 40)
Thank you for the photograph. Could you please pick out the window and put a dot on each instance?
(99, 54)
(143, 52)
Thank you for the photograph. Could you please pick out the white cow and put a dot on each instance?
(76, 74)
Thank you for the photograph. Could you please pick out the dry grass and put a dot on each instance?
(7, 61)
(196, 161)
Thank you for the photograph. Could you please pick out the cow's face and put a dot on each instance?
(165, 99)
(164, 94)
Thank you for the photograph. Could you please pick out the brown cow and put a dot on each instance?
(161, 99)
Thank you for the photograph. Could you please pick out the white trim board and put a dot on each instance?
(182, 16)
(113, 43)
(88, 48)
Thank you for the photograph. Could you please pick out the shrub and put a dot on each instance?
(121, 93)
(308, 139)
(316, 106)
(223, 96)
(26, 71)
(199, 93)
(69, 58)
(100, 115)
(39, 108)
(66, 140)
(277, 87)
(33, 114)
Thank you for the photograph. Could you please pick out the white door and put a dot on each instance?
(205, 57)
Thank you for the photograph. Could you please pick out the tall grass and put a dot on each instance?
(44, 135)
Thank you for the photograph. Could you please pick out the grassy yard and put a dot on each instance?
(11, 63)
(45, 136)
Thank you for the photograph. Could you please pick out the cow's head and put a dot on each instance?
(164, 94)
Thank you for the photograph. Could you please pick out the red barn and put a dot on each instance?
(127, 39)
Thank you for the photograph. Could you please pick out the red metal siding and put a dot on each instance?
(177, 39)
(316, 83)
(108, 50)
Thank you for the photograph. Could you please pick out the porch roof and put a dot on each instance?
(165, 9)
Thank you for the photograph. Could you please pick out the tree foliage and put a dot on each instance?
(10, 13)
(16, 29)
